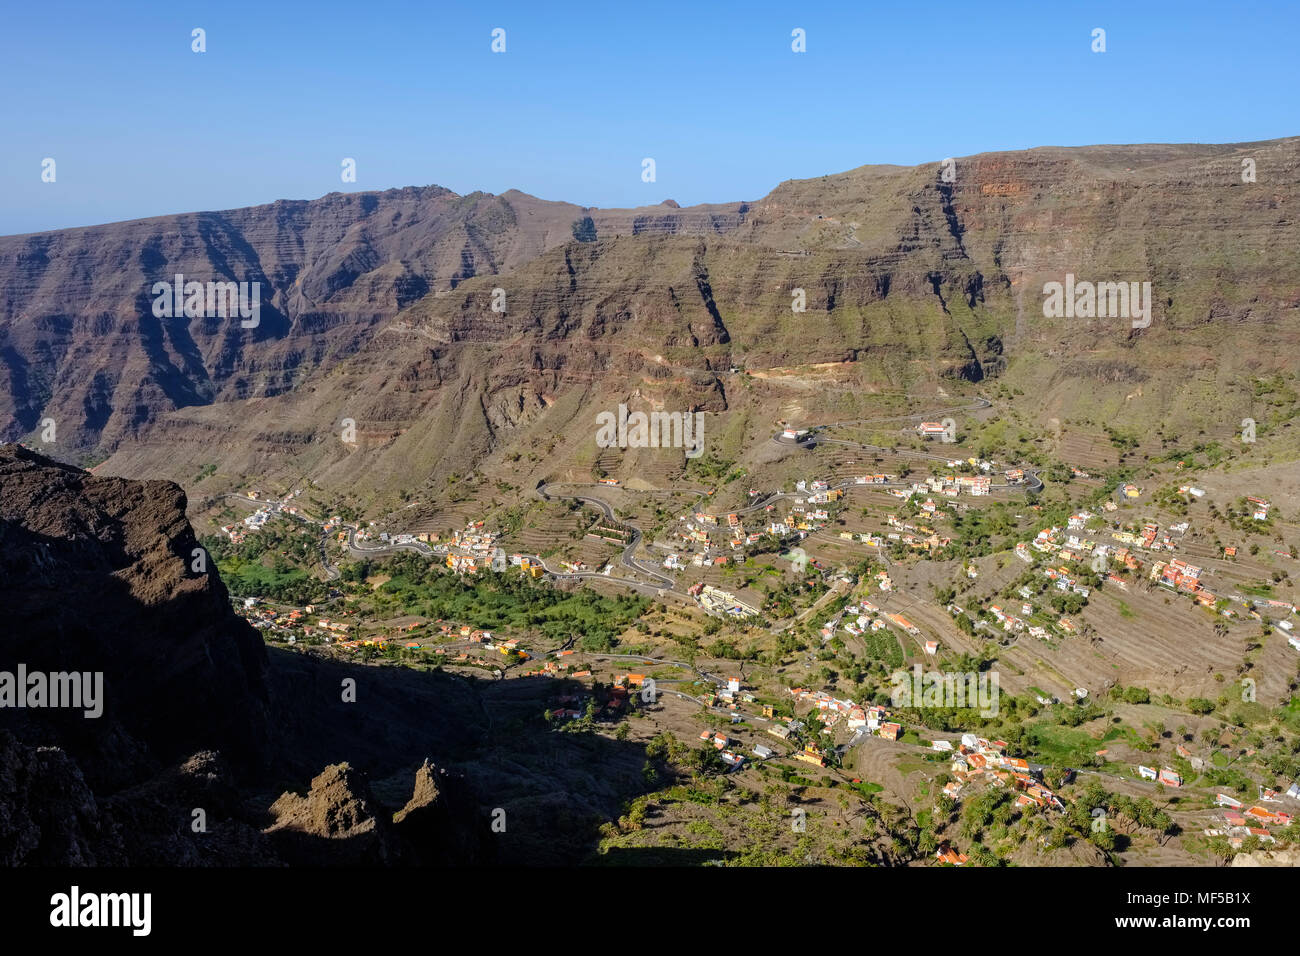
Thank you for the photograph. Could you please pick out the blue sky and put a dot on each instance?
(140, 125)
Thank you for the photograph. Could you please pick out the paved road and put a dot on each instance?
(419, 547)
(628, 558)
(331, 571)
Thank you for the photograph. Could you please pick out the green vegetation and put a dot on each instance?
(505, 600)
(709, 467)
(271, 563)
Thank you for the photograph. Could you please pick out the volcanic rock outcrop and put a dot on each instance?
(103, 576)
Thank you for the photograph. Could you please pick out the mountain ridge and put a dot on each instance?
(909, 276)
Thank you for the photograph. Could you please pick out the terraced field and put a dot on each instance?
(1086, 451)
(1166, 645)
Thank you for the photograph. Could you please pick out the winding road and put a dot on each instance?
(628, 558)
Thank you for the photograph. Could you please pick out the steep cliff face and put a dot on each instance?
(170, 756)
(98, 575)
(79, 342)
(909, 278)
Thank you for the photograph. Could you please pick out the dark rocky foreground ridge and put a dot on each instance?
(95, 575)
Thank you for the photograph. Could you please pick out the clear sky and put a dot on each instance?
(139, 125)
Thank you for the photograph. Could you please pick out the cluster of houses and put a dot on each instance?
(466, 633)
(1067, 545)
(978, 759)
(703, 539)
(472, 549)
(451, 632)
(704, 536)
(620, 693)
(722, 743)
(534, 568)
(830, 711)
(1165, 775)
(799, 520)
(236, 533)
(291, 623)
(405, 537)
(1016, 621)
(857, 619)
(730, 696)
(1014, 624)
(258, 519)
(950, 486)
(338, 627)
(1241, 824)
(874, 540)
(558, 668)
(916, 536)
(568, 706)
(1178, 575)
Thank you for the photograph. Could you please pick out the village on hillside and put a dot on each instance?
(836, 573)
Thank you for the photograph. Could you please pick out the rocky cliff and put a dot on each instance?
(911, 284)
(80, 344)
(198, 725)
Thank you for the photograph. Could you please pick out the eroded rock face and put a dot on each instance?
(908, 279)
(441, 821)
(191, 814)
(79, 340)
(337, 821)
(48, 816)
(96, 576)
